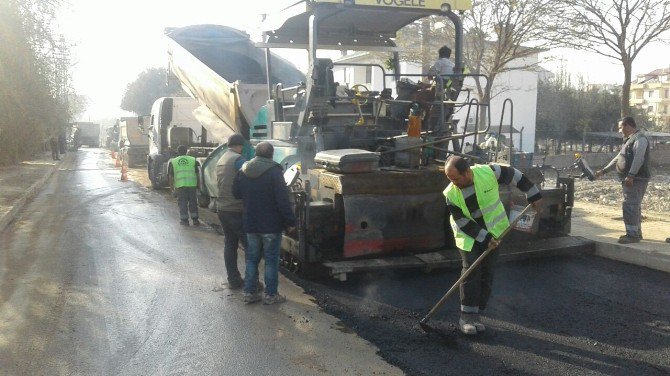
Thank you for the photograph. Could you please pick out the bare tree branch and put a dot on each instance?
(617, 29)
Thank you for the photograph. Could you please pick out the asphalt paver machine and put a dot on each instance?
(365, 167)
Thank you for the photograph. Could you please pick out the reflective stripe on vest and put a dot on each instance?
(184, 171)
(488, 199)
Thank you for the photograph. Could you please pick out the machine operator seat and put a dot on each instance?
(324, 78)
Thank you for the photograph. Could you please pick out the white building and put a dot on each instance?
(518, 85)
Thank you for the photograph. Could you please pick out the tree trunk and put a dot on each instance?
(483, 116)
(625, 89)
(425, 46)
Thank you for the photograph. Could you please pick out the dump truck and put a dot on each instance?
(173, 123)
(89, 133)
(365, 168)
(134, 140)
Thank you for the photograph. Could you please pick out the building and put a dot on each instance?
(519, 85)
(651, 92)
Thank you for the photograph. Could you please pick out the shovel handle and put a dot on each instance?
(472, 268)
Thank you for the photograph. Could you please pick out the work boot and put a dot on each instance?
(251, 298)
(196, 222)
(184, 222)
(235, 284)
(627, 239)
(273, 299)
(476, 320)
(467, 324)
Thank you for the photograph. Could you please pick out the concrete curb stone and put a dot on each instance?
(652, 259)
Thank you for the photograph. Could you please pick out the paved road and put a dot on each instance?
(98, 278)
(571, 315)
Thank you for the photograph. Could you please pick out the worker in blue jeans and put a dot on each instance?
(266, 213)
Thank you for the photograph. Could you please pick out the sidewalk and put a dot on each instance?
(18, 184)
(601, 224)
(604, 225)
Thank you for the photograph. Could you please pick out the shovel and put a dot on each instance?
(424, 321)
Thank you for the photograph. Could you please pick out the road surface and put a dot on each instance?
(97, 277)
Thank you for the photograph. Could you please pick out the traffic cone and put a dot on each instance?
(124, 172)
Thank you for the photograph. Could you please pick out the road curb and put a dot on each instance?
(31, 192)
(648, 258)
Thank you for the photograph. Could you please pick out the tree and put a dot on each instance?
(553, 98)
(33, 78)
(497, 40)
(149, 86)
(590, 110)
(617, 29)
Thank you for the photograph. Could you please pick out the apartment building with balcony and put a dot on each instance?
(651, 92)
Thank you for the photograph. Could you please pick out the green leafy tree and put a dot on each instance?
(149, 86)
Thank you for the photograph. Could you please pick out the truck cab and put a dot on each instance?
(172, 124)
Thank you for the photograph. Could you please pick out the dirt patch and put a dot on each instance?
(607, 192)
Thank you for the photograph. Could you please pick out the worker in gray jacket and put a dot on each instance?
(632, 165)
(229, 209)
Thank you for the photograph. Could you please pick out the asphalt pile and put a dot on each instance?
(607, 191)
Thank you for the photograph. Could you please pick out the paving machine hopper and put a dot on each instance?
(221, 68)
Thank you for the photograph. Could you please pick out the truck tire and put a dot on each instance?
(132, 161)
(151, 165)
(203, 199)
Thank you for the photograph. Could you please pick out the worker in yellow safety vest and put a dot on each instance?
(477, 219)
(183, 176)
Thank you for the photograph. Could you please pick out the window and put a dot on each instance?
(651, 94)
(665, 109)
(667, 93)
(368, 75)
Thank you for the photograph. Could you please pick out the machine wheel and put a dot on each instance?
(307, 270)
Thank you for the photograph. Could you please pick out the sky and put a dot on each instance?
(114, 41)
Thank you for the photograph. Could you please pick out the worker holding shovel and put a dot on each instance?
(479, 221)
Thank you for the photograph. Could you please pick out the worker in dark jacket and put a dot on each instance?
(632, 165)
(267, 212)
(183, 178)
(477, 219)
